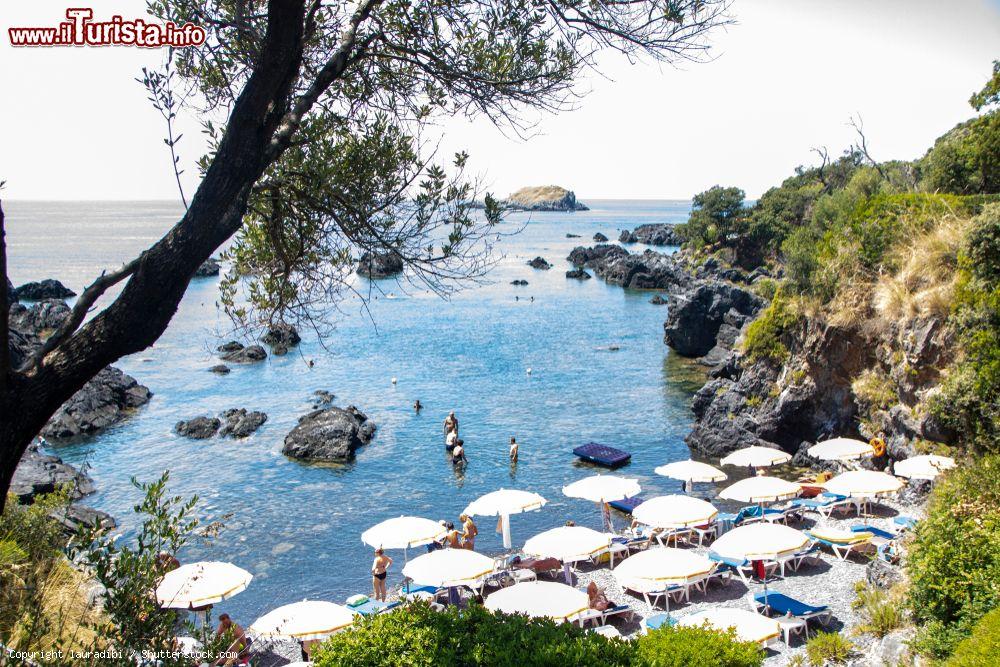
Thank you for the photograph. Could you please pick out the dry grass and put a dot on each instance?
(925, 282)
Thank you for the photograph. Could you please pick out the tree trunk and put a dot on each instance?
(150, 298)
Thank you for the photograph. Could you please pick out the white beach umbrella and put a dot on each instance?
(926, 466)
(567, 543)
(691, 471)
(655, 569)
(304, 621)
(448, 567)
(503, 503)
(749, 626)
(539, 599)
(674, 512)
(841, 449)
(760, 541)
(403, 532)
(758, 457)
(760, 489)
(863, 483)
(603, 488)
(200, 584)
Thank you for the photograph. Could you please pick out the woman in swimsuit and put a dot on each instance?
(469, 532)
(380, 569)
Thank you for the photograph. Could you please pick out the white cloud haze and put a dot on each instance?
(785, 78)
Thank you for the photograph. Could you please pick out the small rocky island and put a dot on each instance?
(330, 435)
(544, 198)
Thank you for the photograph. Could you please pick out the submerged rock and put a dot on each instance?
(330, 434)
(540, 263)
(380, 264)
(544, 198)
(281, 334)
(45, 289)
(572, 236)
(652, 234)
(39, 473)
(246, 355)
(231, 346)
(219, 369)
(579, 274)
(104, 401)
(210, 267)
(240, 423)
(199, 428)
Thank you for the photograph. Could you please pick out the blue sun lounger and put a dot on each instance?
(657, 621)
(374, 607)
(781, 604)
(877, 532)
(626, 505)
(605, 455)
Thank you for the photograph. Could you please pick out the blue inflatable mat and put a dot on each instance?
(604, 455)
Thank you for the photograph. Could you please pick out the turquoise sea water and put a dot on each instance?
(297, 527)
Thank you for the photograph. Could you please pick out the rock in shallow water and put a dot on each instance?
(39, 473)
(540, 263)
(46, 289)
(240, 422)
(105, 400)
(41, 318)
(219, 369)
(198, 428)
(578, 274)
(331, 434)
(281, 334)
(652, 234)
(379, 265)
(210, 267)
(246, 355)
(600, 238)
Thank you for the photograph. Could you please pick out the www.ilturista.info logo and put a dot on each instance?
(81, 30)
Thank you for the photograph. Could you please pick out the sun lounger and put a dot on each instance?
(411, 591)
(841, 544)
(707, 530)
(657, 621)
(374, 607)
(904, 522)
(795, 561)
(605, 455)
(742, 568)
(626, 505)
(675, 534)
(783, 605)
(877, 532)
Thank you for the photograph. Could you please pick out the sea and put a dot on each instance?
(556, 363)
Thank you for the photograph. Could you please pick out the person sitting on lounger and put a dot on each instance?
(596, 596)
(380, 570)
(469, 532)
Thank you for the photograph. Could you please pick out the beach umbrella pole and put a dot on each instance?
(505, 526)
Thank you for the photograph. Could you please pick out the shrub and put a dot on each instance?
(873, 390)
(966, 160)
(828, 648)
(474, 637)
(954, 559)
(717, 215)
(981, 647)
(763, 336)
(881, 611)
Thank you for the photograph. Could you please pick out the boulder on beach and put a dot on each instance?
(198, 428)
(540, 263)
(39, 473)
(245, 355)
(600, 238)
(578, 274)
(210, 267)
(661, 233)
(105, 400)
(240, 422)
(45, 289)
(380, 264)
(544, 198)
(329, 435)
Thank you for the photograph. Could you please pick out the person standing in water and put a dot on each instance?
(450, 423)
(513, 450)
(380, 570)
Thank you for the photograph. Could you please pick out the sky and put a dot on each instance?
(786, 77)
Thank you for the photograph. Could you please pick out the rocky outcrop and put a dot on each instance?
(245, 355)
(330, 434)
(241, 423)
(584, 256)
(105, 400)
(380, 264)
(231, 346)
(39, 473)
(600, 238)
(540, 263)
(281, 336)
(210, 267)
(578, 274)
(711, 315)
(652, 234)
(220, 369)
(45, 289)
(544, 198)
(41, 318)
(199, 428)
(74, 517)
